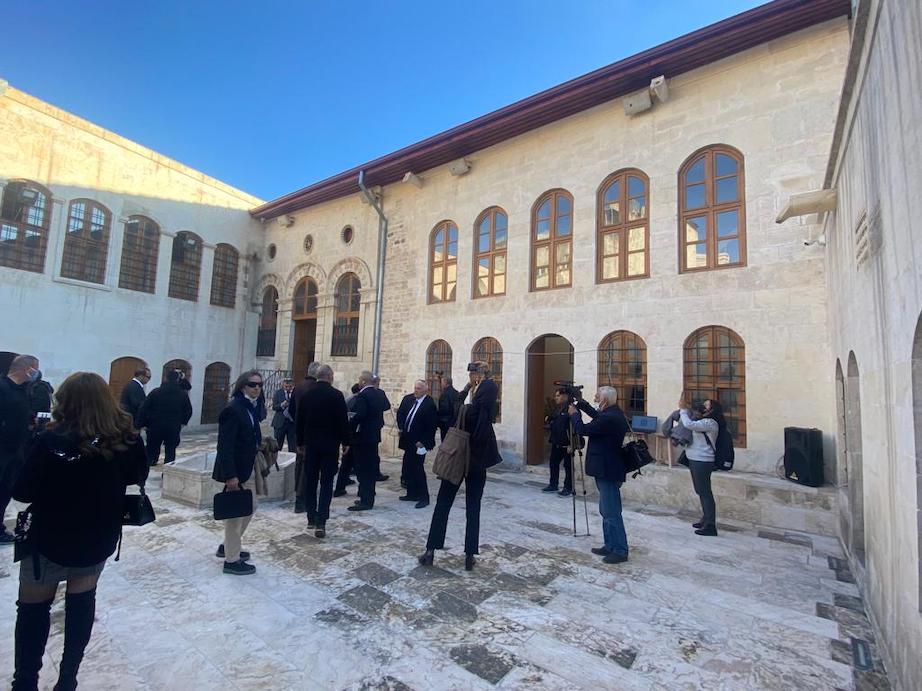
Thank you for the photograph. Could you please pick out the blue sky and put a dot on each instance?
(271, 96)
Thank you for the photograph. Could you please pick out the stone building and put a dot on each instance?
(730, 214)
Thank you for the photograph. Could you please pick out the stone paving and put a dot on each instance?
(751, 609)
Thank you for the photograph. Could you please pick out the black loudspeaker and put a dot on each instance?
(803, 455)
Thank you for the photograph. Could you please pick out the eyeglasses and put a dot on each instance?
(254, 384)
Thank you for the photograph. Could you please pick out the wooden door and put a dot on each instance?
(536, 438)
(121, 371)
(215, 392)
(304, 349)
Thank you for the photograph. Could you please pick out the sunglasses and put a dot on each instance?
(254, 384)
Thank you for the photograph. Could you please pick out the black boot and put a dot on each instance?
(79, 611)
(33, 620)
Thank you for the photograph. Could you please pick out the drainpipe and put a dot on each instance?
(382, 249)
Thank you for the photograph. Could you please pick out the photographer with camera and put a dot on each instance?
(561, 442)
(605, 462)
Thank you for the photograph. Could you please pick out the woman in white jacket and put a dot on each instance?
(704, 422)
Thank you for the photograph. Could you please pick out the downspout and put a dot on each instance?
(382, 250)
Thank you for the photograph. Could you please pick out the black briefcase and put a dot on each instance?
(236, 504)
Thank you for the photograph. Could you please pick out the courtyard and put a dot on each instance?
(754, 608)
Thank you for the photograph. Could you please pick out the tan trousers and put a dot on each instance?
(234, 528)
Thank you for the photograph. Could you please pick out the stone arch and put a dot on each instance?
(853, 452)
(350, 265)
(264, 282)
(305, 269)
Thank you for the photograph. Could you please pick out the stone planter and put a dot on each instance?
(188, 480)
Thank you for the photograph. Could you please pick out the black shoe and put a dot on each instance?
(422, 503)
(602, 551)
(6, 538)
(427, 557)
(549, 488)
(360, 507)
(699, 524)
(565, 492)
(469, 562)
(615, 558)
(710, 531)
(339, 493)
(299, 506)
(321, 531)
(238, 568)
(407, 497)
(382, 478)
(244, 556)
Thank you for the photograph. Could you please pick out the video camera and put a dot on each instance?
(574, 391)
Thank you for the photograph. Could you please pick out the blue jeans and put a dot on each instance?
(612, 522)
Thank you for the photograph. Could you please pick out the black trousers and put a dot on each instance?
(168, 438)
(345, 470)
(558, 454)
(473, 489)
(366, 470)
(415, 472)
(443, 430)
(319, 472)
(286, 433)
(701, 480)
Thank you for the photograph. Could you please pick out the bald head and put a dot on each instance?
(21, 368)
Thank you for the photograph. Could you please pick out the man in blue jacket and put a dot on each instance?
(367, 423)
(605, 462)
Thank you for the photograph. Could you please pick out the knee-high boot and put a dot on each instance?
(33, 620)
(79, 612)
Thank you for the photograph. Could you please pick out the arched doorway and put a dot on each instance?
(549, 359)
(917, 425)
(121, 371)
(215, 391)
(438, 365)
(854, 458)
(304, 323)
(6, 357)
(182, 365)
(841, 466)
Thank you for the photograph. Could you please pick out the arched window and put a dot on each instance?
(25, 215)
(623, 365)
(443, 262)
(182, 365)
(305, 300)
(347, 301)
(715, 367)
(552, 241)
(86, 245)
(623, 221)
(140, 251)
(712, 210)
(268, 321)
(215, 391)
(438, 365)
(121, 371)
(490, 351)
(224, 276)
(490, 235)
(185, 266)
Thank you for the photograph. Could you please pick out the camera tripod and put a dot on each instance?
(575, 448)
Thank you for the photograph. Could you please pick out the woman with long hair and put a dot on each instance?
(75, 479)
(478, 421)
(705, 420)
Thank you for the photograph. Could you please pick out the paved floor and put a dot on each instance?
(751, 609)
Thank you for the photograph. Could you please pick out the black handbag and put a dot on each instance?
(235, 504)
(23, 544)
(636, 453)
(137, 509)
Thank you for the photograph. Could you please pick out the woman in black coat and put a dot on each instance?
(239, 438)
(75, 478)
(478, 421)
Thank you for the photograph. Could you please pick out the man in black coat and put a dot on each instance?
(133, 393)
(417, 419)
(15, 418)
(559, 424)
(385, 405)
(605, 462)
(164, 413)
(346, 467)
(325, 420)
(448, 407)
(306, 385)
(367, 424)
(282, 424)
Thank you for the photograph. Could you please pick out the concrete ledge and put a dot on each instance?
(188, 480)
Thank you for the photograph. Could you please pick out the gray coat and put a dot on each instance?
(675, 431)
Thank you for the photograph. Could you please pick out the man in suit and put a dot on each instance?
(133, 393)
(324, 424)
(164, 413)
(448, 407)
(366, 424)
(385, 405)
(15, 418)
(417, 419)
(346, 468)
(306, 385)
(282, 425)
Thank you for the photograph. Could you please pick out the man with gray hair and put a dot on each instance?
(306, 385)
(417, 419)
(366, 425)
(15, 418)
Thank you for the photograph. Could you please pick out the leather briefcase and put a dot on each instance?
(235, 504)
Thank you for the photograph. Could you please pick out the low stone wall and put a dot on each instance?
(188, 480)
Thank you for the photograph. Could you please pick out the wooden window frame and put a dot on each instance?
(552, 242)
(489, 350)
(345, 341)
(310, 305)
(140, 254)
(711, 209)
(623, 227)
(442, 265)
(691, 380)
(224, 275)
(268, 324)
(186, 275)
(617, 341)
(14, 251)
(80, 246)
(490, 254)
(438, 359)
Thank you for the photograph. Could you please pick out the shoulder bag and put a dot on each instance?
(636, 453)
(454, 454)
